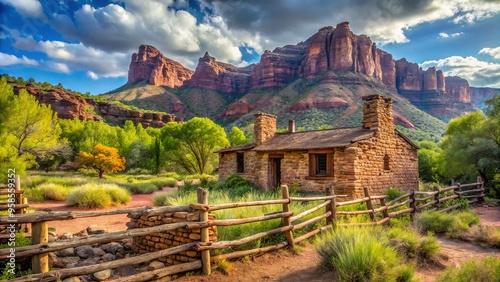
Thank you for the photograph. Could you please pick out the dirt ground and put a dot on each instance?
(282, 265)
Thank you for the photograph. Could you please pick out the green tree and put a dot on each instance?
(429, 161)
(237, 136)
(28, 129)
(472, 145)
(191, 145)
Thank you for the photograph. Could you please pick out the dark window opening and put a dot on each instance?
(321, 164)
(240, 163)
(387, 162)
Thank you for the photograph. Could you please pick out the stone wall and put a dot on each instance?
(264, 127)
(172, 238)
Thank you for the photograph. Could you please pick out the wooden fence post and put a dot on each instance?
(332, 207)
(205, 254)
(286, 220)
(436, 198)
(413, 204)
(40, 235)
(27, 227)
(385, 212)
(19, 195)
(457, 191)
(369, 204)
(480, 185)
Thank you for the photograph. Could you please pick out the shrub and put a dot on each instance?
(95, 195)
(140, 187)
(161, 182)
(486, 234)
(48, 191)
(428, 247)
(393, 192)
(450, 224)
(161, 199)
(361, 254)
(485, 270)
(413, 245)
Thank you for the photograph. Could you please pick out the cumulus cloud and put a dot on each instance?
(477, 72)
(494, 52)
(385, 21)
(27, 8)
(92, 75)
(65, 57)
(446, 35)
(9, 60)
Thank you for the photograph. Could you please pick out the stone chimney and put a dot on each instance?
(291, 126)
(264, 127)
(377, 112)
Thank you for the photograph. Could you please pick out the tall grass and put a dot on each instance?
(485, 270)
(95, 195)
(361, 254)
(449, 224)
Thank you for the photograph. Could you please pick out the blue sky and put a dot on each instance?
(86, 44)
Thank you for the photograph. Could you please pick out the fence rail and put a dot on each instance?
(13, 201)
(380, 212)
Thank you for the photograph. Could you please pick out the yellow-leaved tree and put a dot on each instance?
(102, 159)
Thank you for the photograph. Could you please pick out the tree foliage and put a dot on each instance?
(429, 161)
(191, 145)
(102, 159)
(237, 136)
(28, 129)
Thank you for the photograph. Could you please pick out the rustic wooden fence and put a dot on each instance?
(376, 207)
(9, 192)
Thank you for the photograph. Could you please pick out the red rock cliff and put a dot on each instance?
(219, 76)
(458, 88)
(150, 64)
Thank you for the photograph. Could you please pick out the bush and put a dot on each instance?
(413, 245)
(140, 187)
(485, 234)
(393, 192)
(450, 224)
(48, 191)
(361, 254)
(485, 270)
(161, 199)
(95, 195)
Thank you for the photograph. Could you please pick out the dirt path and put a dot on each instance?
(108, 223)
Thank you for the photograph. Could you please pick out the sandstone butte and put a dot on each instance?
(331, 48)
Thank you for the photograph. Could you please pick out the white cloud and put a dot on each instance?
(27, 8)
(494, 52)
(445, 35)
(477, 73)
(92, 75)
(8, 60)
(58, 67)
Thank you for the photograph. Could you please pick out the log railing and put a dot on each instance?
(13, 201)
(327, 211)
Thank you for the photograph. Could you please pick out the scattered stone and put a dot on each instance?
(68, 252)
(98, 252)
(82, 233)
(70, 260)
(66, 236)
(130, 225)
(119, 255)
(72, 279)
(108, 257)
(93, 230)
(155, 265)
(84, 251)
(53, 234)
(90, 261)
(103, 274)
(125, 271)
(86, 278)
(54, 261)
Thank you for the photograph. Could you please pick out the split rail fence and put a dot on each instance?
(12, 201)
(377, 208)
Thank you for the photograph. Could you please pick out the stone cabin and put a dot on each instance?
(375, 155)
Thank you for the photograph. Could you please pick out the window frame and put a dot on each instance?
(313, 161)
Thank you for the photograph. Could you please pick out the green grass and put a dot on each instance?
(48, 191)
(361, 254)
(413, 245)
(485, 270)
(449, 224)
(96, 195)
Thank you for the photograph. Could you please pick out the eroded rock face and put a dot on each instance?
(458, 88)
(150, 64)
(68, 105)
(218, 76)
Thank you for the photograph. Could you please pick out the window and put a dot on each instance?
(240, 162)
(321, 163)
(387, 162)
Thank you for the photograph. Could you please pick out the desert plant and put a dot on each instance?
(485, 270)
(48, 191)
(393, 192)
(160, 199)
(95, 195)
(360, 254)
(450, 224)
